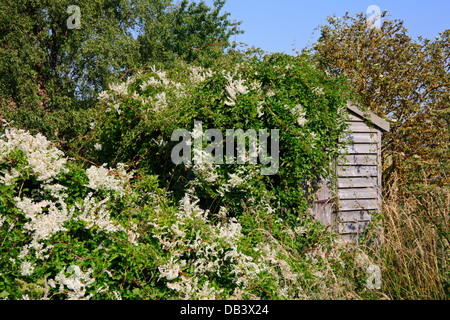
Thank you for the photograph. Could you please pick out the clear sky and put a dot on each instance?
(279, 25)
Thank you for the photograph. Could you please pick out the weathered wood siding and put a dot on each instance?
(359, 177)
(323, 207)
(358, 169)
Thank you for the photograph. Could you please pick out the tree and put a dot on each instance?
(48, 70)
(193, 32)
(402, 80)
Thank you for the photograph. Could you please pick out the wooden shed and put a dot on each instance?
(349, 210)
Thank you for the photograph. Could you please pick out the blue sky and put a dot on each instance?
(279, 25)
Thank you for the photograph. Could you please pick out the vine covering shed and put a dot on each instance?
(349, 209)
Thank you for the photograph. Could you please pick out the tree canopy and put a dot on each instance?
(402, 80)
(48, 69)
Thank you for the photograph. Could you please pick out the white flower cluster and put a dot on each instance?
(163, 81)
(161, 100)
(189, 208)
(199, 74)
(76, 284)
(204, 166)
(234, 87)
(149, 83)
(191, 290)
(96, 214)
(120, 88)
(318, 91)
(2, 220)
(272, 252)
(26, 268)
(44, 160)
(43, 225)
(117, 108)
(46, 218)
(55, 189)
(171, 270)
(238, 179)
(217, 247)
(299, 112)
(108, 179)
(230, 232)
(214, 247)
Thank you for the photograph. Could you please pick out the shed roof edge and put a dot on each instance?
(369, 116)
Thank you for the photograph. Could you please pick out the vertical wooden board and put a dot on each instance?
(322, 209)
(359, 172)
(380, 169)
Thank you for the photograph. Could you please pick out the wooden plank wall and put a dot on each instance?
(323, 208)
(359, 178)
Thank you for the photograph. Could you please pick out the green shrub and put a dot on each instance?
(137, 117)
(70, 232)
(139, 227)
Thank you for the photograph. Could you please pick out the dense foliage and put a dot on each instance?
(402, 80)
(138, 116)
(50, 73)
(138, 227)
(95, 208)
(408, 83)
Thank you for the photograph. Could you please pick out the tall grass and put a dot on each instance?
(415, 246)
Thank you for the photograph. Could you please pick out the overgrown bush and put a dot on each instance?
(137, 117)
(73, 233)
(138, 227)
